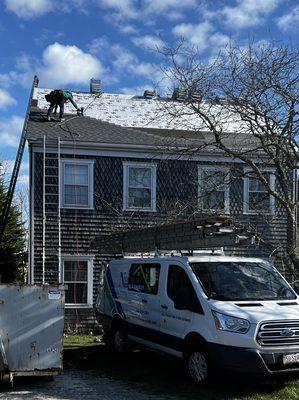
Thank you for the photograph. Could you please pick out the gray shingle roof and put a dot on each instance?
(130, 120)
(86, 129)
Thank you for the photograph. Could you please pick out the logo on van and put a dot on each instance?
(287, 332)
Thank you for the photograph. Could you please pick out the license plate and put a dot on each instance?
(291, 358)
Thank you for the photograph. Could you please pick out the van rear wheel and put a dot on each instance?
(196, 366)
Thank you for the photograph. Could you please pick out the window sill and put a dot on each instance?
(139, 210)
(76, 208)
(226, 212)
(83, 306)
(269, 213)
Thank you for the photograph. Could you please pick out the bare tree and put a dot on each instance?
(249, 96)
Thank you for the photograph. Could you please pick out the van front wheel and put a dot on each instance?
(196, 366)
(120, 342)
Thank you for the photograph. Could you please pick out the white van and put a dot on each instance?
(217, 313)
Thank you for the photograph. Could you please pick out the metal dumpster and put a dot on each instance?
(31, 330)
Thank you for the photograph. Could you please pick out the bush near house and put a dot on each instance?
(12, 248)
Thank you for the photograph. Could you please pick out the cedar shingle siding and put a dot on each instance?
(140, 133)
(176, 186)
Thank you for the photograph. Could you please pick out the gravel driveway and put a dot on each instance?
(74, 385)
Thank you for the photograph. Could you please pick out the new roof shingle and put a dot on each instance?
(138, 112)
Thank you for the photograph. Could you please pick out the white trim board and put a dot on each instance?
(144, 155)
(89, 260)
(246, 210)
(32, 216)
(77, 161)
(153, 168)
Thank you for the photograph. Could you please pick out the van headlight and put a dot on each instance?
(229, 323)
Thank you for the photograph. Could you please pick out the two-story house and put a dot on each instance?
(126, 164)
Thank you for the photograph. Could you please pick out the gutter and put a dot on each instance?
(210, 151)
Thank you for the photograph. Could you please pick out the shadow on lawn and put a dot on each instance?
(158, 375)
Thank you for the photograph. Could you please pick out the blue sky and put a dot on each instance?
(66, 42)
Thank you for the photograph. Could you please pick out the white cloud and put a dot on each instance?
(196, 35)
(27, 9)
(289, 21)
(248, 13)
(135, 9)
(5, 80)
(128, 29)
(67, 6)
(6, 99)
(63, 64)
(217, 40)
(123, 64)
(22, 75)
(148, 42)
(123, 8)
(10, 131)
(119, 10)
(159, 6)
(202, 36)
(59, 65)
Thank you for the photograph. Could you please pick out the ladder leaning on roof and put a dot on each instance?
(51, 211)
(16, 169)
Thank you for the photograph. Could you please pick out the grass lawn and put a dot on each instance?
(155, 374)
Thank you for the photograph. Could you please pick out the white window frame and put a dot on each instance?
(215, 168)
(246, 210)
(153, 168)
(90, 164)
(89, 260)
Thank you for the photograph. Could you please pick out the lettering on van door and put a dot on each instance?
(179, 318)
(143, 282)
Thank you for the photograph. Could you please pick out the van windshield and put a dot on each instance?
(230, 281)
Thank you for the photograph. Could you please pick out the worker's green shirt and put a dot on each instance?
(68, 96)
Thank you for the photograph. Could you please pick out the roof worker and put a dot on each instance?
(59, 98)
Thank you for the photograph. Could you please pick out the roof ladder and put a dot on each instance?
(51, 214)
(16, 169)
(44, 213)
(59, 215)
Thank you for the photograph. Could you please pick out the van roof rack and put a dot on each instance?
(219, 251)
(177, 253)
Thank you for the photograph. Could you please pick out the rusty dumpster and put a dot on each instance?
(31, 330)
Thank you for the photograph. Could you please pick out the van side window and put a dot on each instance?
(177, 279)
(144, 278)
